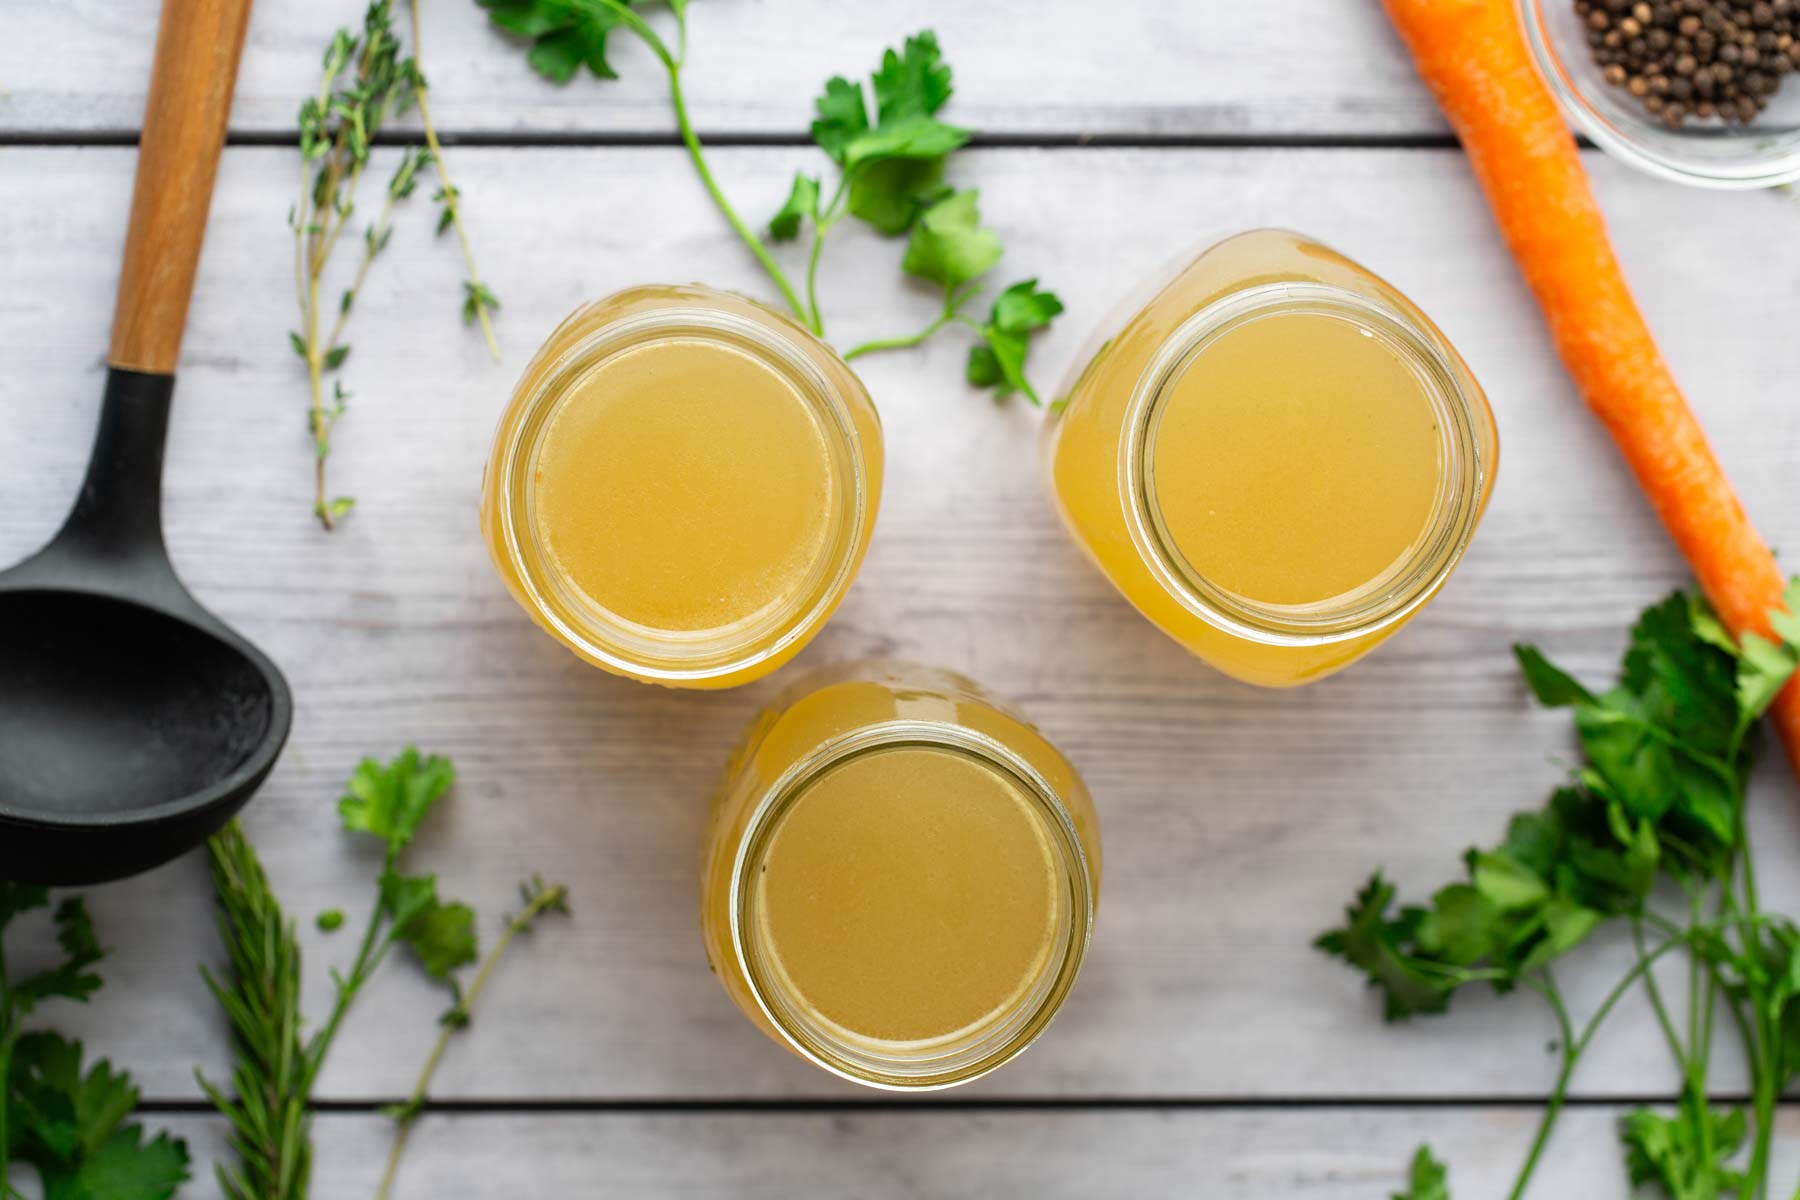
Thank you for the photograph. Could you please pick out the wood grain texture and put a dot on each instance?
(1271, 67)
(197, 49)
(1237, 821)
(1222, 1154)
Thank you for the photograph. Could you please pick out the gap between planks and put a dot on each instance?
(47, 139)
(775, 1107)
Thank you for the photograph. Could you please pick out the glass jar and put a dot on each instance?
(1278, 460)
(900, 877)
(683, 486)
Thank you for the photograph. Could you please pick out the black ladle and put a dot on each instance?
(133, 723)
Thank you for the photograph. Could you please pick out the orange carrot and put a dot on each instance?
(1473, 56)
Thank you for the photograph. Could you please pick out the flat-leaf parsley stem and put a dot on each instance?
(696, 152)
(673, 63)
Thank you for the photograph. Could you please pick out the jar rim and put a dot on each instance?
(681, 656)
(937, 1063)
(1381, 602)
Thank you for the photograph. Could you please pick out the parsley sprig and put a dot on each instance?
(1657, 800)
(268, 1101)
(890, 173)
(64, 1120)
(365, 79)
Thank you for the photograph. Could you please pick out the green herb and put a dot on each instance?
(271, 1131)
(479, 301)
(890, 173)
(1659, 796)
(1426, 1179)
(67, 1123)
(364, 81)
(566, 34)
(276, 1067)
(538, 898)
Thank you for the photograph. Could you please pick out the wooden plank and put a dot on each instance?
(1236, 821)
(1273, 67)
(1222, 1154)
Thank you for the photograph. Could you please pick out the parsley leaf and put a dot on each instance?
(891, 194)
(908, 137)
(1684, 1153)
(949, 246)
(802, 204)
(914, 82)
(998, 360)
(842, 117)
(71, 979)
(443, 938)
(1553, 687)
(1376, 943)
(17, 899)
(390, 801)
(911, 85)
(72, 1127)
(567, 35)
(1765, 666)
(894, 168)
(125, 1167)
(1426, 1178)
(442, 935)
(1662, 744)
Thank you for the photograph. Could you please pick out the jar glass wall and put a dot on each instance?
(1278, 459)
(900, 877)
(683, 486)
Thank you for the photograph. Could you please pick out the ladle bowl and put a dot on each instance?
(133, 723)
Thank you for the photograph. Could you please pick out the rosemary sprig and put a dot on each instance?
(539, 898)
(364, 81)
(271, 1132)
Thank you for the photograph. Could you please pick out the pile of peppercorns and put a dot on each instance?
(1695, 58)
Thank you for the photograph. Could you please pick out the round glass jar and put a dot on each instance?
(1278, 459)
(900, 877)
(683, 486)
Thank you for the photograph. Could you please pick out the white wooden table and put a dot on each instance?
(1207, 1051)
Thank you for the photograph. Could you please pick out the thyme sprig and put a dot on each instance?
(365, 80)
(479, 301)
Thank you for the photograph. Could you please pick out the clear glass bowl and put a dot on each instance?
(1706, 153)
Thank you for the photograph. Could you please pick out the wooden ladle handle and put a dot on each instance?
(197, 47)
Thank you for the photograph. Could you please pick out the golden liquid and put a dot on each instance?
(1291, 466)
(915, 891)
(1297, 458)
(684, 485)
(689, 508)
(909, 894)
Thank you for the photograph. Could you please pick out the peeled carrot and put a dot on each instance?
(1473, 56)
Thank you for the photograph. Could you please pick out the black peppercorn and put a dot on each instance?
(1694, 59)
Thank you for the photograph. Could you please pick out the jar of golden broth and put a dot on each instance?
(683, 486)
(1279, 459)
(900, 877)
